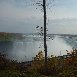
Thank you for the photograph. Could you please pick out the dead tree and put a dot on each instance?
(45, 45)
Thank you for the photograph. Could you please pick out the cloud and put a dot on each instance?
(14, 19)
(18, 16)
(65, 25)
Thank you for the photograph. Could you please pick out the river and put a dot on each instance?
(26, 49)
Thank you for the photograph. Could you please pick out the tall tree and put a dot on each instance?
(45, 45)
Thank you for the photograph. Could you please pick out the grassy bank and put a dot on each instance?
(57, 66)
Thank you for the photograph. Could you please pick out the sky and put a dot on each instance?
(22, 16)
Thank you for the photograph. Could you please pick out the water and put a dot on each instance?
(26, 49)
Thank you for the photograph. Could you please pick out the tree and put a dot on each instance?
(44, 11)
(45, 45)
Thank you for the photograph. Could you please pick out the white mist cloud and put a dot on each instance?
(57, 46)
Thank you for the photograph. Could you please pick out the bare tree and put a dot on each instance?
(45, 45)
(44, 30)
(44, 4)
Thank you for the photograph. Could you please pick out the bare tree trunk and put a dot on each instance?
(45, 45)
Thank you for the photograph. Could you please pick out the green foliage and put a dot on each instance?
(10, 36)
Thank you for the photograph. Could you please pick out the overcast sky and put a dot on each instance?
(21, 16)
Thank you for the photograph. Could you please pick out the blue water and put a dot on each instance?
(26, 49)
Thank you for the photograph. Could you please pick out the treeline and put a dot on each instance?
(10, 36)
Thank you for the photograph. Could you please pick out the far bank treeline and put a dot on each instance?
(10, 36)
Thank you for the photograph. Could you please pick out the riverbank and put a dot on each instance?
(10, 36)
(56, 67)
